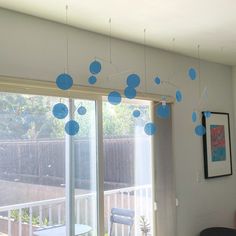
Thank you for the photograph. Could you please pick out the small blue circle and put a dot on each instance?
(114, 98)
(150, 128)
(64, 81)
(207, 114)
(194, 116)
(72, 127)
(60, 111)
(136, 113)
(157, 80)
(95, 67)
(82, 110)
(200, 130)
(163, 111)
(133, 80)
(130, 92)
(178, 96)
(92, 79)
(192, 73)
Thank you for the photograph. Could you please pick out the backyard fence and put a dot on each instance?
(43, 161)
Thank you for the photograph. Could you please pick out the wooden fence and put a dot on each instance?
(43, 161)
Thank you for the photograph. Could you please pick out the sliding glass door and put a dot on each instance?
(127, 168)
(52, 182)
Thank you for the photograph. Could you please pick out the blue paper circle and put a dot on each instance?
(178, 96)
(82, 110)
(194, 116)
(136, 113)
(200, 130)
(130, 92)
(64, 81)
(192, 73)
(133, 80)
(114, 98)
(157, 80)
(92, 79)
(150, 128)
(207, 114)
(95, 67)
(60, 111)
(72, 127)
(163, 111)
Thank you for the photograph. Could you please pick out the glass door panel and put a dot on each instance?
(85, 167)
(127, 165)
(32, 164)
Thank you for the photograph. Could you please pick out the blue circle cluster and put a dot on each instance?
(133, 81)
(157, 80)
(178, 96)
(64, 81)
(114, 98)
(136, 113)
(163, 111)
(150, 128)
(95, 68)
(192, 73)
(60, 110)
(82, 110)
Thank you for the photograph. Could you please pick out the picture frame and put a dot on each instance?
(217, 145)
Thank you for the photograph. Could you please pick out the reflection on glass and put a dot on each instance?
(85, 168)
(128, 173)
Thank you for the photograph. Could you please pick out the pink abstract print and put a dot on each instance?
(218, 150)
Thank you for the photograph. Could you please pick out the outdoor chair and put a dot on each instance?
(122, 216)
(218, 231)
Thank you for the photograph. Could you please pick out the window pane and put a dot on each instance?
(128, 172)
(32, 164)
(85, 167)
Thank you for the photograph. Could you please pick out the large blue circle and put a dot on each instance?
(150, 128)
(95, 67)
(200, 130)
(64, 81)
(60, 110)
(82, 110)
(133, 80)
(114, 98)
(72, 127)
(157, 80)
(192, 73)
(92, 80)
(136, 113)
(178, 96)
(194, 116)
(130, 92)
(163, 111)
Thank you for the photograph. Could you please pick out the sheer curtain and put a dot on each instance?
(165, 178)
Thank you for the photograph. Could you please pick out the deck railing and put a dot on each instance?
(23, 219)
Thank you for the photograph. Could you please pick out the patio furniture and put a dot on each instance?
(218, 231)
(122, 216)
(61, 230)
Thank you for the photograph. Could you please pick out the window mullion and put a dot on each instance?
(100, 167)
(70, 178)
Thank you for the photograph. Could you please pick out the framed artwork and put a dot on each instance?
(216, 145)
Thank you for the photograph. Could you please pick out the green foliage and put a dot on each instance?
(30, 117)
(26, 117)
(25, 217)
(119, 121)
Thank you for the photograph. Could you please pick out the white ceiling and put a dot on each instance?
(208, 23)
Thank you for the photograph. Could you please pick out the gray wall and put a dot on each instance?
(34, 48)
